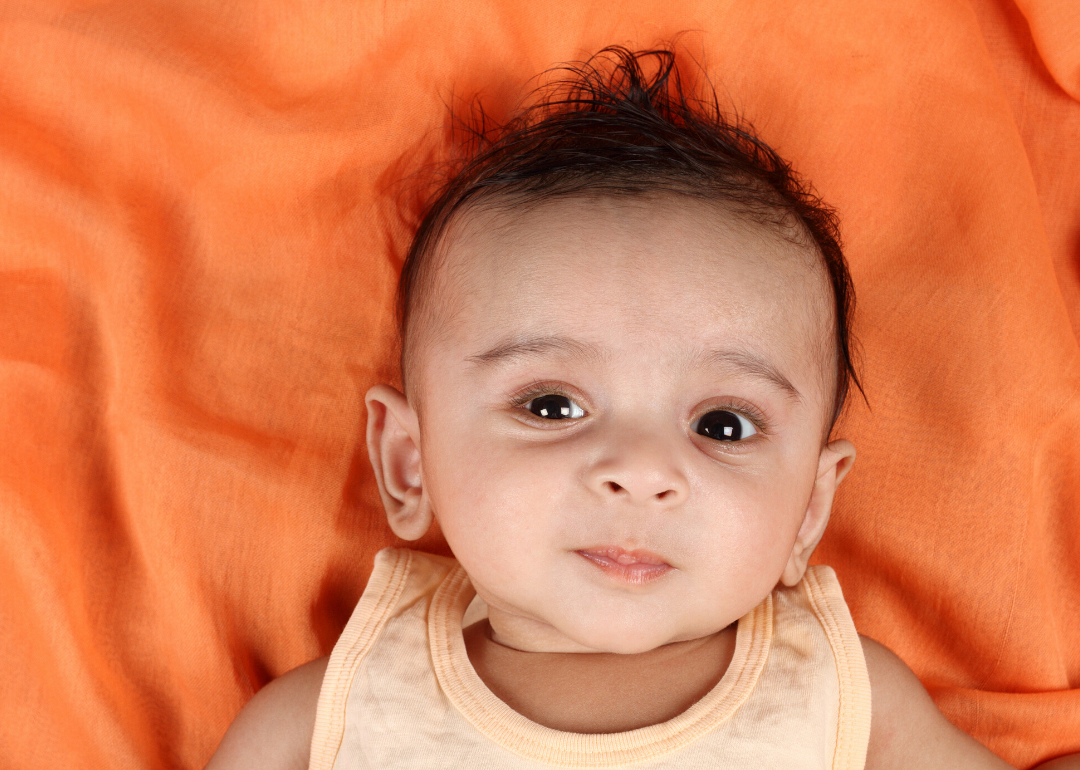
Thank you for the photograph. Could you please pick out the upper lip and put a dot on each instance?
(625, 556)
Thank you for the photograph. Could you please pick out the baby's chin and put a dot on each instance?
(620, 635)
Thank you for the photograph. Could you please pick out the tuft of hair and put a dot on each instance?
(622, 124)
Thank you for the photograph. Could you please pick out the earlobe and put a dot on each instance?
(833, 464)
(393, 441)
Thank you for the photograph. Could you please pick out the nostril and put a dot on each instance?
(614, 487)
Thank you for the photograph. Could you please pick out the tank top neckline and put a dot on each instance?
(515, 732)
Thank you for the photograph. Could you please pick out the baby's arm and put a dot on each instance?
(273, 731)
(907, 730)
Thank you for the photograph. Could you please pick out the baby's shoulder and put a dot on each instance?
(906, 728)
(273, 731)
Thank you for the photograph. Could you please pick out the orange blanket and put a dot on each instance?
(197, 263)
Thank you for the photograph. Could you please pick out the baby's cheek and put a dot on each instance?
(758, 529)
(459, 464)
(477, 510)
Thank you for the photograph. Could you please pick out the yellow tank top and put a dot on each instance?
(400, 691)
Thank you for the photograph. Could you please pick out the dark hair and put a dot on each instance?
(610, 129)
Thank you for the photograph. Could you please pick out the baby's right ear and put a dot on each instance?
(393, 441)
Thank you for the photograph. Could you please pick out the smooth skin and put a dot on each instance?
(564, 372)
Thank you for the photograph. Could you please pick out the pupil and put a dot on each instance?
(551, 406)
(723, 426)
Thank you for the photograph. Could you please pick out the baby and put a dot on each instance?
(625, 345)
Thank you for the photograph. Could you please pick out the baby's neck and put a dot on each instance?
(600, 692)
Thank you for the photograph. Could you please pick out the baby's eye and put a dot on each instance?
(553, 406)
(723, 425)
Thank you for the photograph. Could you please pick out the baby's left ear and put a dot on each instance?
(833, 464)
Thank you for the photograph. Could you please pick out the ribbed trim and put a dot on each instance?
(380, 597)
(853, 720)
(501, 724)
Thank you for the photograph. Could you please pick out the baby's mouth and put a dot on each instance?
(635, 567)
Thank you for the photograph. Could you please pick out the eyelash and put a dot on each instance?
(536, 390)
(545, 389)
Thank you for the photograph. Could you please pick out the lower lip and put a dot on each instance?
(634, 574)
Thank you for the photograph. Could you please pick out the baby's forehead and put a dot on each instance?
(509, 250)
(601, 215)
(662, 269)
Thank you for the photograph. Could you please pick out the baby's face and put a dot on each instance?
(622, 417)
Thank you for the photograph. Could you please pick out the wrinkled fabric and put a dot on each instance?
(203, 216)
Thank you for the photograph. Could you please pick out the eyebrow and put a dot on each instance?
(536, 347)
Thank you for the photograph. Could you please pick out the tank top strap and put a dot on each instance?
(853, 723)
(399, 578)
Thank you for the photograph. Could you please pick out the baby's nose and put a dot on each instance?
(644, 469)
(671, 494)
